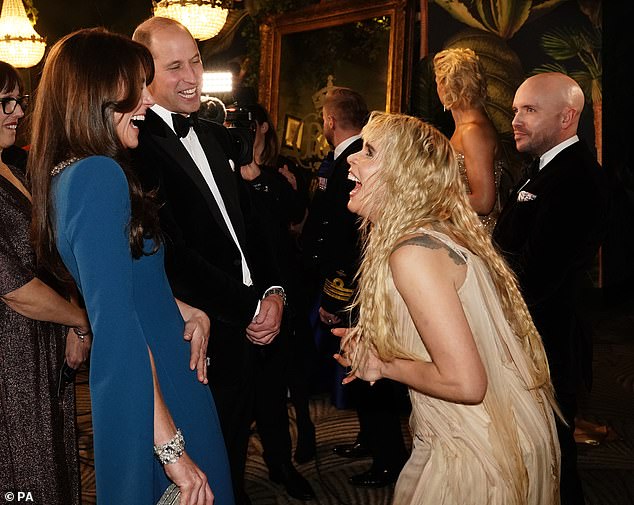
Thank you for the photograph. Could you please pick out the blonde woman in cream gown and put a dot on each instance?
(441, 312)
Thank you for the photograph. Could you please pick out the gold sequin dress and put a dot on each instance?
(489, 220)
(503, 451)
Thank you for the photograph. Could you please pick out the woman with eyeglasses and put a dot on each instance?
(37, 413)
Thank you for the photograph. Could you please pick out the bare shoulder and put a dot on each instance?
(424, 267)
(477, 134)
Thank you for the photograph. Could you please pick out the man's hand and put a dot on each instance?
(327, 318)
(266, 325)
(197, 328)
(77, 350)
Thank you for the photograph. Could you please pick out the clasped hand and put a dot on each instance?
(368, 366)
(266, 324)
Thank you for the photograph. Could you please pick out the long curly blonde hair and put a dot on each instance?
(418, 186)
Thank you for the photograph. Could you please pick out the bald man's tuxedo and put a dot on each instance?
(549, 232)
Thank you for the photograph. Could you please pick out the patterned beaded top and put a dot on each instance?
(62, 165)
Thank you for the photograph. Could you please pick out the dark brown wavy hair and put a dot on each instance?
(271, 147)
(87, 77)
(9, 79)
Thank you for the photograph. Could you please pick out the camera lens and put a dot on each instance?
(243, 145)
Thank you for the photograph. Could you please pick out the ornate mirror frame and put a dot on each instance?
(330, 13)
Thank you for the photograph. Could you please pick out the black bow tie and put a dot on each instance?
(182, 124)
(533, 169)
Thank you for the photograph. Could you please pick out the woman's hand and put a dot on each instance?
(290, 176)
(191, 481)
(77, 349)
(369, 366)
(251, 171)
(197, 329)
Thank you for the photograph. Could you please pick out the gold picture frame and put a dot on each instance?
(293, 131)
(274, 32)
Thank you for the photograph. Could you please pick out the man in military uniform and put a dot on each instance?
(332, 250)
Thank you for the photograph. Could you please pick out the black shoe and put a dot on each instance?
(306, 446)
(296, 486)
(374, 477)
(356, 450)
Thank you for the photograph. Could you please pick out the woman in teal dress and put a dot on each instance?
(91, 220)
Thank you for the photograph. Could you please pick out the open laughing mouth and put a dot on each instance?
(357, 184)
(137, 120)
(188, 94)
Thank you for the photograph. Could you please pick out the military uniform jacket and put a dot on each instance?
(330, 239)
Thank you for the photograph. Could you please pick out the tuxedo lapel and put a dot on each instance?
(225, 179)
(171, 145)
(538, 187)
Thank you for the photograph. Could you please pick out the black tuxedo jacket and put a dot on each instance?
(549, 232)
(202, 261)
(330, 238)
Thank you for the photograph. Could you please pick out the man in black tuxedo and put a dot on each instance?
(549, 232)
(331, 250)
(217, 255)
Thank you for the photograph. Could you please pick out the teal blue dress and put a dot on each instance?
(131, 307)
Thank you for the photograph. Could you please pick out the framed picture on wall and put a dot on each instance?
(293, 131)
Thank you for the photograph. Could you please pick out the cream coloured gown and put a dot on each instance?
(503, 451)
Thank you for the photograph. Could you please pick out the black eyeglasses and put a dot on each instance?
(9, 103)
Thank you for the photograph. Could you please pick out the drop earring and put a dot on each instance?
(444, 109)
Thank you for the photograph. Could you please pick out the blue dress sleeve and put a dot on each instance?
(92, 207)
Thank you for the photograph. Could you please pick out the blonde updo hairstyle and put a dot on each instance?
(418, 186)
(460, 73)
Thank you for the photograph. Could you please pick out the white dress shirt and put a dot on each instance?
(195, 150)
(547, 157)
(344, 145)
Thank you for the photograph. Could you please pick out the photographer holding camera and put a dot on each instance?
(284, 363)
(217, 255)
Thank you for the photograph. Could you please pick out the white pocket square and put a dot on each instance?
(525, 196)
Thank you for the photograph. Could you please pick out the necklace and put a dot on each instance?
(62, 165)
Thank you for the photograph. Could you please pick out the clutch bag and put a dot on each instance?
(171, 496)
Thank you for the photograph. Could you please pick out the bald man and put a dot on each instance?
(549, 232)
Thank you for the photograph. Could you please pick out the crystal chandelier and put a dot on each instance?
(203, 18)
(20, 45)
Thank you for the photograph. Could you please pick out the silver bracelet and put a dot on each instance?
(170, 451)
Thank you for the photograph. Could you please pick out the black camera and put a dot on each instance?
(239, 124)
(242, 130)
